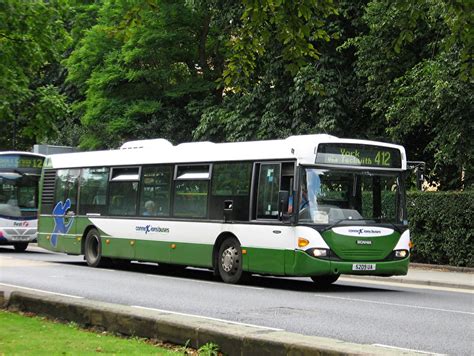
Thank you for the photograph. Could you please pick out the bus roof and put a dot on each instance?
(21, 153)
(301, 148)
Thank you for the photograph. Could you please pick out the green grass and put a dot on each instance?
(23, 335)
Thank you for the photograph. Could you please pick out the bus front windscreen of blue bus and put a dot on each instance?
(338, 196)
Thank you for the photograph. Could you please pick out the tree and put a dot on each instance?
(324, 96)
(140, 67)
(416, 85)
(296, 28)
(32, 39)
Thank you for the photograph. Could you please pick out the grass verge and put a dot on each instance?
(26, 335)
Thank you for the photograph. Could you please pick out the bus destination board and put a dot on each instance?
(20, 162)
(350, 154)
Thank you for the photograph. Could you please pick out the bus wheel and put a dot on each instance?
(325, 280)
(20, 246)
(93, 249)
(230, 261)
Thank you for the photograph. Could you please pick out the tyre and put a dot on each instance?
(93, 249)
(229, 261)
(325, 280)
(20, 246)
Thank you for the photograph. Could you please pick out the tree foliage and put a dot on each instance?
(32, 38)
(100, 72)
(413, 63)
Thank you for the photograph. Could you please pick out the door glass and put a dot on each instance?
(268, 188)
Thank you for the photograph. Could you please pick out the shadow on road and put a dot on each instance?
(10, 250)
(305, 285)
(298, 284)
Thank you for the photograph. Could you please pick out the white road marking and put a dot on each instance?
(41, 291)
(207, 318)
(205, 282)
(394, 304)
(388, 282)
(408, 350)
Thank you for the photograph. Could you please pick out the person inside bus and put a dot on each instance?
(150, 208)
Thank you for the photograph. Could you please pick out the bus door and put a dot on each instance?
(64, 230)
(271, 237)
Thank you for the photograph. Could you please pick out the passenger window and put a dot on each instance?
(66, 187)
(191, 191)
(94, 190)
(268, 188)
(123, 191)
(155, 193)
(231, 179)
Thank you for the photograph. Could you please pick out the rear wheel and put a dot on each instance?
(93, 249)
(229, 261)
(20, 246)
(325, 280)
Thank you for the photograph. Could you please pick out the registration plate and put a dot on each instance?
(20, 238)
(363, 267)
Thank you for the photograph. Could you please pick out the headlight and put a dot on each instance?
(320, 252)
(401, 253)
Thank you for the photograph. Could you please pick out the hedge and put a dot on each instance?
(441, 227)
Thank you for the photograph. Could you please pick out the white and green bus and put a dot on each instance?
(313, 205)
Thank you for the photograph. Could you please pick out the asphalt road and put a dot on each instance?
(422, 318)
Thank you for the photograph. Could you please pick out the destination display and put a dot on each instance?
(20, 162)
(349, 154)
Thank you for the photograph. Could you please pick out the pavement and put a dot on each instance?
(430, 275)
(232, 339)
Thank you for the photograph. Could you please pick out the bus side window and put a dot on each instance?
(155, 194)
(93, 197)
(123, 191)
(191, 191)
(231, 182)
(66, 187)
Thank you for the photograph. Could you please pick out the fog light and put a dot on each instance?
(401, 253)
(320, 252)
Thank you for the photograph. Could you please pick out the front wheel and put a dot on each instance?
(20, 246)
(325, 280)
(229, 262)
(93, 249)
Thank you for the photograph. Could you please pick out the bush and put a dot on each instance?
(441, 227)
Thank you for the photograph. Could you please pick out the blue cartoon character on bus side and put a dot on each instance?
(60, 218)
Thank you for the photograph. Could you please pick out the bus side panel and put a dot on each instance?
(199, 255)
(266, 245)
(152, 251)
(52, 237)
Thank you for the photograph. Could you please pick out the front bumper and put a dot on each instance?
(306, 265)
(10, 236)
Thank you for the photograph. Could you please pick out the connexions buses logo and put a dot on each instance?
(147, 229)
(365, 231)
